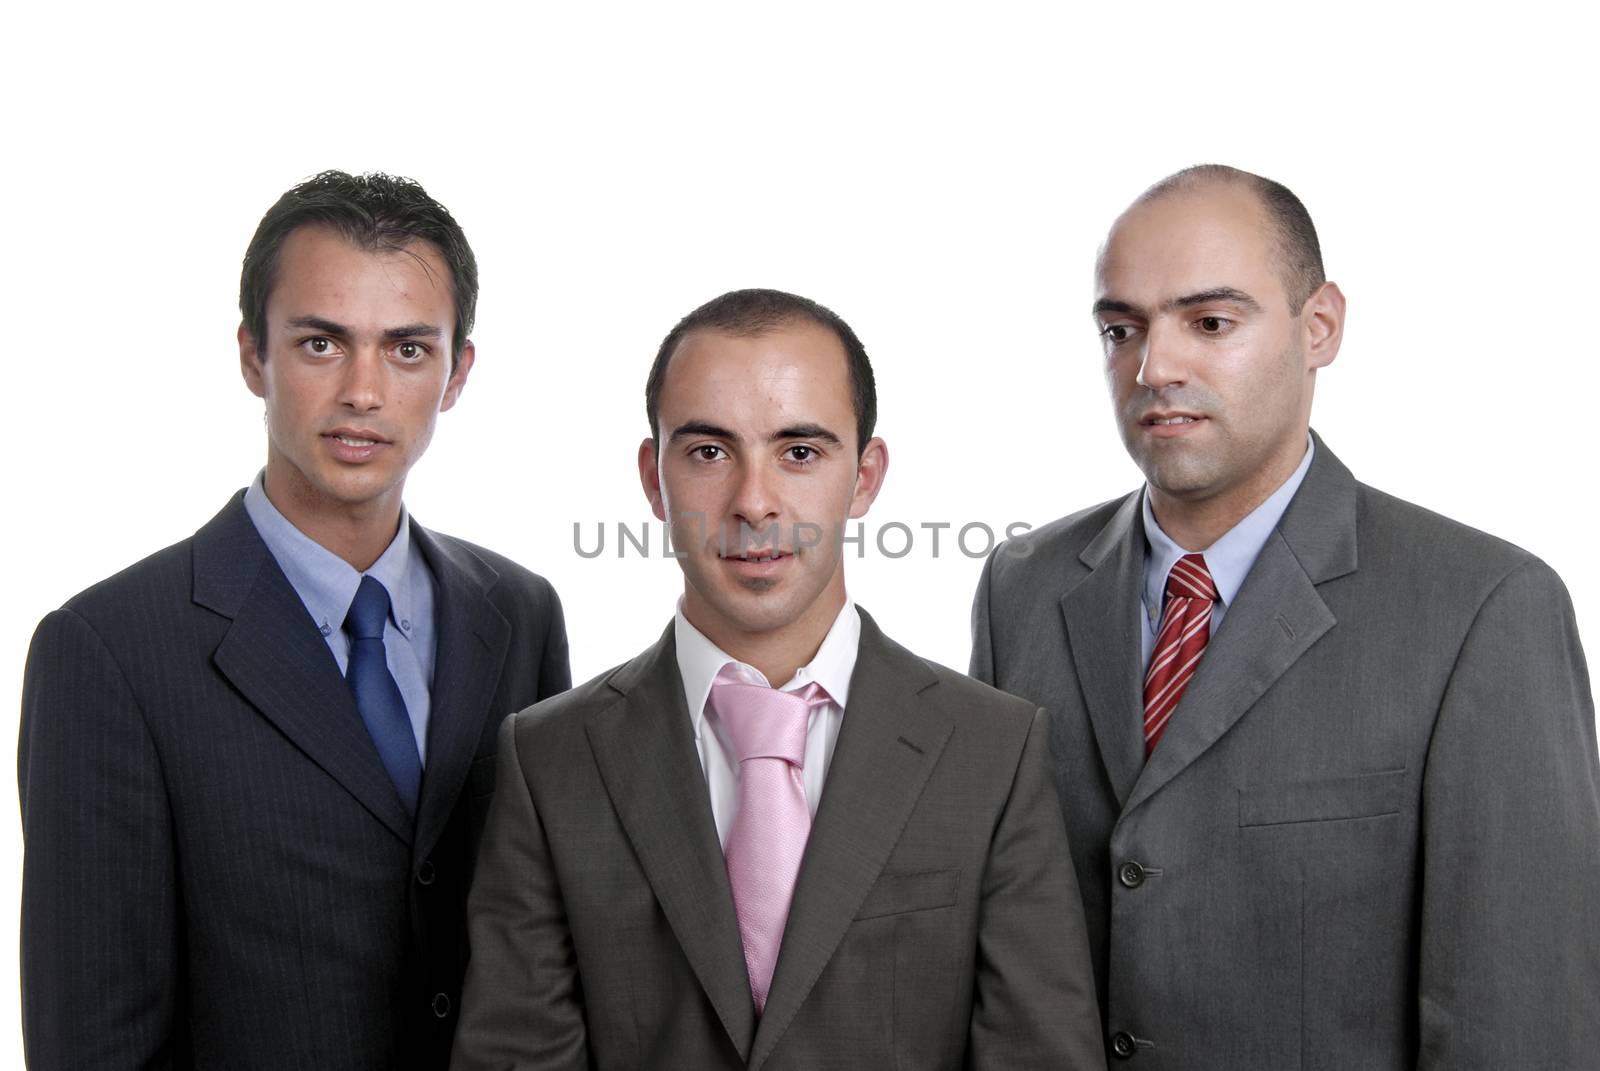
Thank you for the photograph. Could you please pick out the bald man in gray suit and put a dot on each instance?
(887, 886)
(1327, 760)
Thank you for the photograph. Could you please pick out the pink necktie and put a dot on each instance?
(767, 729)
(1185, 630)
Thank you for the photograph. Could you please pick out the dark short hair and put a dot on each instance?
(374, 211)
(750, 313)
(1294, 237)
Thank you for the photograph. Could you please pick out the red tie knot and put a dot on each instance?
(1190, 579)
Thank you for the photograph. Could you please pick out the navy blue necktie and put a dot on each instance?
(378, 697)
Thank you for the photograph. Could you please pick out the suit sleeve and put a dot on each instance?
(982, 667)
(100, 981)
(522, 1006)
(1510, 950)
(555, 666)
(1034, 996)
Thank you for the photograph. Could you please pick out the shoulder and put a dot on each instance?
(132, 598)
(978, 702)
(986, 716)
(507, 584)
(564, 716)
(1400, 538)
(1050, 553)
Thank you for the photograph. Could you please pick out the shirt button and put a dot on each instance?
(325, 629)
(406, 625)
(441, 1005)
(1122, 1046)
(1131, 874)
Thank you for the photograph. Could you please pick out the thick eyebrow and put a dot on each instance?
(328, 327)
(1121, 308)
(413, 331)
(701, 427)
(317, 323)
(806, 431)
(1215, 294)
(716, 431)
(1187, 301)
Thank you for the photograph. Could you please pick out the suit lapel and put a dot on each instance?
(473, 638)
(644, 748)
(889, 742)
(274, 655)
(1275, 619)
(1102, 616)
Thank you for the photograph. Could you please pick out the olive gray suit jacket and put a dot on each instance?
(935, 924)
(219, 872)
(1370, 835)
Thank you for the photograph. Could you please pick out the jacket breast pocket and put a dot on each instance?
(900, 893)
(1330, 799)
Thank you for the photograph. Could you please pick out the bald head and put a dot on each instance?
(1291, 234)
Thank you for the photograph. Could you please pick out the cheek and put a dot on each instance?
(1121, 374)
(686, 490)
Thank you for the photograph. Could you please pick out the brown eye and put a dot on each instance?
(409, 351)
(318, 346)
(1212, 325)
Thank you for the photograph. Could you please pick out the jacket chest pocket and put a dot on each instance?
(1331, 799)
(902, 893)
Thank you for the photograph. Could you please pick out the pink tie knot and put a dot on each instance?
(1190, 579)
(762, 722)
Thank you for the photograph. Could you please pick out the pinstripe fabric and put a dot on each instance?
(218, 872)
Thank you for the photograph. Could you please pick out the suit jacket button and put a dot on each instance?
(1122, 1046)
(1131, 874)
(425, 872)
(441, 1005)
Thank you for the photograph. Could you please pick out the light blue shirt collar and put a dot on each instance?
(1229, 559)
(325, 582)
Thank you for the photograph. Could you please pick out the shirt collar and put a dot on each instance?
(1230, 558)
(325, 582)
(700, 660)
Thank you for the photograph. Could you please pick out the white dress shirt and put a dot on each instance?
(1228, 560)
(699, 662)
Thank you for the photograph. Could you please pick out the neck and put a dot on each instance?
(1197, 523)
(779, 652)
(359, 533)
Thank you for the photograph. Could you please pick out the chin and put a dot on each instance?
(758, 609)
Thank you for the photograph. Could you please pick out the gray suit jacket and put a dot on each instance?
(935, 925)
(1370, 836)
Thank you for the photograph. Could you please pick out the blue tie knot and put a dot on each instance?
(368, 610)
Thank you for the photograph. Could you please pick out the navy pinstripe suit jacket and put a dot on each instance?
(218, 871)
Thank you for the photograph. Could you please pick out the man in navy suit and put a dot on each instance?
(254, 767)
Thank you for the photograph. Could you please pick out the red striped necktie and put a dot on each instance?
(1185, 628)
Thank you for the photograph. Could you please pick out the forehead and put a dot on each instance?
(1187, 242)
(792, 372)
(318, 266)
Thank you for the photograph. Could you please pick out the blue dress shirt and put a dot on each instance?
(1229, 559)
(326, 584)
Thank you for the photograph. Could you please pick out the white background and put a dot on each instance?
(939, 175)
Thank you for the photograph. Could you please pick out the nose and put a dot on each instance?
(1163, 363)
(365, 380)
(755, 501)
